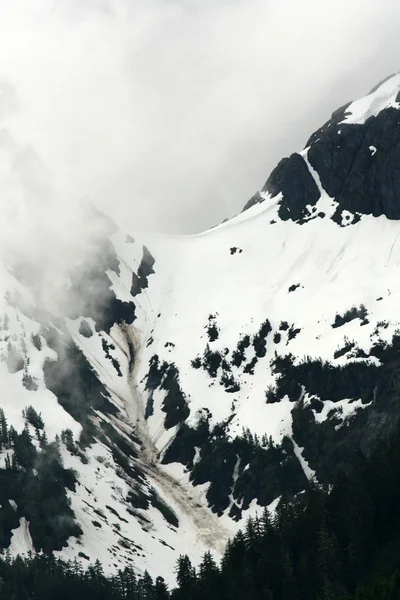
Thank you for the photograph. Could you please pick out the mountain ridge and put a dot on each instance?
(202, 377)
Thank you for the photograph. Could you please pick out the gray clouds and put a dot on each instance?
(170, 114)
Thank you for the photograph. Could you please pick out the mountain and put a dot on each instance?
(175, 384)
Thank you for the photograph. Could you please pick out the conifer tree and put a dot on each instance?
(4, 441)
(209, 578)
(186, 579)
(161, 590)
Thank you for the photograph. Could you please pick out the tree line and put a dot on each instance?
(339, 542)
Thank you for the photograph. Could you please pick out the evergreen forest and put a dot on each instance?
(339, 542)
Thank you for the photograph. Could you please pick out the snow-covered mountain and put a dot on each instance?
(192, 380)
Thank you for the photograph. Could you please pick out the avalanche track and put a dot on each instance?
(184, 499)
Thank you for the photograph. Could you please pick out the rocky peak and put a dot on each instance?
(355, 157)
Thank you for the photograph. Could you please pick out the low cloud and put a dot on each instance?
(170, 114)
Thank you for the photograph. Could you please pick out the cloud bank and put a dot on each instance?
(170, 114)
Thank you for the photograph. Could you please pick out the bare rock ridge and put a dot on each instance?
(357, 164)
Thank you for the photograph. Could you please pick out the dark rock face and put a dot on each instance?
(85, 329)
(293, 178)
(140, 280)
(91, 294)
(359, 164)
(337, 117)
(165, 376)
(256, 199)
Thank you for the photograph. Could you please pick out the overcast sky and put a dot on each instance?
(170, 114)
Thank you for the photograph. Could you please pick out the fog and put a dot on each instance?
(169, 114)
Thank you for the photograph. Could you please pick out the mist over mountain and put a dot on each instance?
(168, 115)
(158, 390)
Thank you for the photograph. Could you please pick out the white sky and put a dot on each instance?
(170, 114)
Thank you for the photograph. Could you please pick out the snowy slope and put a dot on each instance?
(198, 276)
(207, 375)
